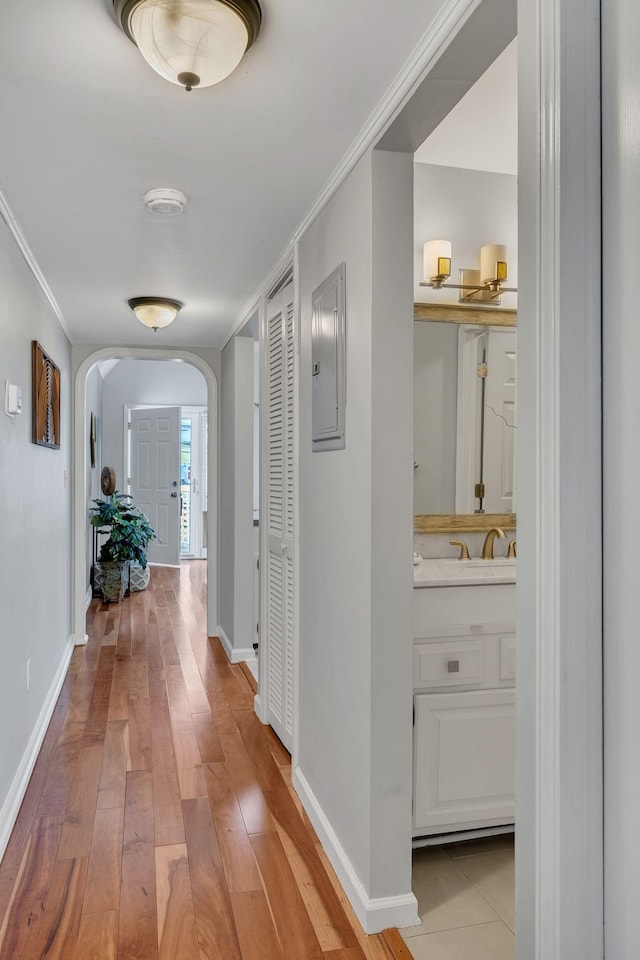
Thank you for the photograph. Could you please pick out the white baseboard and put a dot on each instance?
(252, 663)
(79, 639)
(241, 655)
(87, 598)
(171, 566)
(259, 709)
(374, 914)
(17, 790)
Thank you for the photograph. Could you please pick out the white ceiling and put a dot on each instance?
(481, 132)
(87, 127)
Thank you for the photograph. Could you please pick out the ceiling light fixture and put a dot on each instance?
(165, 201)
(155, 312)
(477, 286)
(193, 43)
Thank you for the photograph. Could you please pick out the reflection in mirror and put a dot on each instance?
(465, 421)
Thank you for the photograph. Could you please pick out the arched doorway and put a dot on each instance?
(81, 436)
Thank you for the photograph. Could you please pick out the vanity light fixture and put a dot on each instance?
(155, 312)
(192, 43)
(477, 286)
(437, 262)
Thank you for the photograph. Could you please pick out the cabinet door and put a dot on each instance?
(464, 760)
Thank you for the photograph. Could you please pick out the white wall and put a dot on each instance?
(134, 381)
(236, 519)
(355, 527)
(391, 526)
(35, 522)
(470, 208)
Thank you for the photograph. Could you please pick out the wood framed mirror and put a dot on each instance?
(446, 463)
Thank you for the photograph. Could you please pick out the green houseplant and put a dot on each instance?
(129, 535)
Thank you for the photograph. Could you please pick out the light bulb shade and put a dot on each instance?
(493, 263)
(155, 312)
(193, 43)
(437, 260)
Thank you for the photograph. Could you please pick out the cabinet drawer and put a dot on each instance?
(448, 664)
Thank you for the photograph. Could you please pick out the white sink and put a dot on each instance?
(445, 572)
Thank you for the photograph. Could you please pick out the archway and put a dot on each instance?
(80, 435)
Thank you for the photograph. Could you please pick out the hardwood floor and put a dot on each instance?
(160, 822)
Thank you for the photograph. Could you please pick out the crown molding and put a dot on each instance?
(15, 229)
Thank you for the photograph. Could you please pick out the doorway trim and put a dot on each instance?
(559, 792)
(559, 779)
(80, 433)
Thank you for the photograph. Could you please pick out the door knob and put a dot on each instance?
(175, 483)
(174, 494)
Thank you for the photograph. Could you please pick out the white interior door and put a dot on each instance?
(154, 477)
(500, 422)
(280, 567)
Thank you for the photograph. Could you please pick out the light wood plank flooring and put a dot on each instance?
(160, 822)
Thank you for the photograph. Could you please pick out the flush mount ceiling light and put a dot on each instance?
(155, 312)
(476, 286)
(165, 201)
(193, 43)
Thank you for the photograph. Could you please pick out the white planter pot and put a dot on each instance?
(138, 577)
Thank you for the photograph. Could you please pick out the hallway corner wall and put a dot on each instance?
(354, 560)
(236, 492)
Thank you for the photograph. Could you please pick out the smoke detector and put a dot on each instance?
(165, 201)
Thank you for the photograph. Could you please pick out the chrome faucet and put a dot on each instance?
(487, 550)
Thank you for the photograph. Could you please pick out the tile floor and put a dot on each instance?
(466, 894)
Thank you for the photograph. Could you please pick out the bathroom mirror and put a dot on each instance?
(465, 418)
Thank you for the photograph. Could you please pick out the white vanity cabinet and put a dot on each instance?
(464, 706)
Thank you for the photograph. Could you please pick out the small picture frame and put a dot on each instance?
(46, 399)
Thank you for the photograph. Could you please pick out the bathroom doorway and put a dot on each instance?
(465, 190)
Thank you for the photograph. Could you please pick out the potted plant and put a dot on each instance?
(129, 535)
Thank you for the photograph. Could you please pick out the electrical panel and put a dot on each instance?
(328, 359)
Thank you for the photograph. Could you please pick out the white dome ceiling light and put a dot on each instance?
(155, 312)
(192, 43)
(165, 201)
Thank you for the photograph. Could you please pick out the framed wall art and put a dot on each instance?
(46, 399)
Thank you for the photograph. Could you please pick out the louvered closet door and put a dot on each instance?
(280, 516)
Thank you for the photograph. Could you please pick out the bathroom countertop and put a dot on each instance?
(447, 572)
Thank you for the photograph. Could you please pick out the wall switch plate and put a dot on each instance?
(12, 399)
